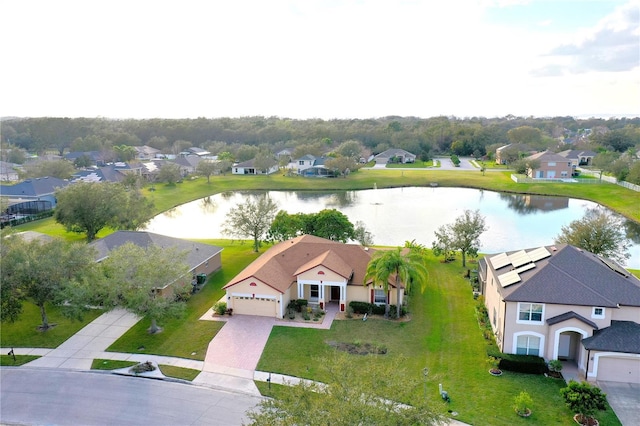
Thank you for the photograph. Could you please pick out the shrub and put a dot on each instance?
(584, 399)
(522, 403)
(300, 303)
(349, 313)
(360, 307)
(555, 366)
(529, 364)
(306, 316)
(220, 308)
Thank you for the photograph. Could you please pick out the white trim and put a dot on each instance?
(254, 296)
(519, 321)
(514, 349)
(596, 316)
(596, 359)
(556, 342)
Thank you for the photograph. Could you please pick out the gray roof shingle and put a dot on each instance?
(620, 336)
(197, 253)
(569, 315)
(572, 276)
(34, 187)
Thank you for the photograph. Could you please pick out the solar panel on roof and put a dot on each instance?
(500, 260)
(526, 267)
(615, 267)
(539, 254)
(508, 278)
(519, 258)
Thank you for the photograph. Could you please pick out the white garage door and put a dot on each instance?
(613, 369)
(261, 306)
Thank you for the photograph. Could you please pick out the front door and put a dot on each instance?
(564, 346)
(335, 293)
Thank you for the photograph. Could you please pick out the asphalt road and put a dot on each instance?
(55, 397)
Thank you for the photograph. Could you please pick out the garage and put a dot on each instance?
(262, 306)
(619, 369)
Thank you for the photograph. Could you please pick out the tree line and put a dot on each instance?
(422, 136)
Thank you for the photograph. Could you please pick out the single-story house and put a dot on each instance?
(562, 302)
(248, 168)
(201, 258)
(511, 152)
(306, 267)
(187, 163)
(198, 151)
(32, 192)
(395, 155)
(552, 166)
(145, 152)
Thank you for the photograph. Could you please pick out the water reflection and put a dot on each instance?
(527, 204)
(397, 215)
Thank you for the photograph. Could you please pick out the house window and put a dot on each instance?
(528, 345)
(564, 174)
(597, 313)
(495, 315)
(315, 291)
(379, 297)
(301, 162)
(530, 313)
(552, 164)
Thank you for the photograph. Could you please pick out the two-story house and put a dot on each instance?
(562, 302)
(552, 166)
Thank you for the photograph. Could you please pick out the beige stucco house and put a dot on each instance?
(552, 166)
(561, 302)
(306, 267)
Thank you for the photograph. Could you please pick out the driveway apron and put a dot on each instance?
(239, 344)
(624, 399)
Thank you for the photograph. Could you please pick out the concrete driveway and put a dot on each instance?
(624, 398)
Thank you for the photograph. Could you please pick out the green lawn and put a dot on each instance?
(110, 364)
(188, 337)
(443, 335)
(24, 333)
(415, 165)
(7, 360)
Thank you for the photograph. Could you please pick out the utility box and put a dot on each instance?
(201, 279)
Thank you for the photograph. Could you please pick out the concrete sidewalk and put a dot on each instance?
(79, 350)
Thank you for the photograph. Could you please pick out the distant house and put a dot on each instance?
(8, 172)
(187, 163)
(248, 168)
(578, 158)
(32, 195)
(562, 302)
(113, 172)
(507, 153)
(284, 154)
(552, 166)
(96, 158)
(395, 155)
(201, 258)
(198, 151)
(306, 267)
(145, 152)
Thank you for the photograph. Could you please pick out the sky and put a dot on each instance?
(320, 58)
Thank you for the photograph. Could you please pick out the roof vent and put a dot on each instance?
(553, 248)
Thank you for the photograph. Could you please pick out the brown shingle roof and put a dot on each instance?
(279, 265)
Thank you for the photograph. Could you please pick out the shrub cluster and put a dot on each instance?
(297, 304)
(373, 309)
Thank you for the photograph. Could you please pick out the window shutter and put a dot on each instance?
(373, 296)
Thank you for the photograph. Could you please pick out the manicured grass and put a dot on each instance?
(110, 364)
(414, 165)
(179, 372)
(188, 337)
(24, 333)
(443, 335)
(7, 360)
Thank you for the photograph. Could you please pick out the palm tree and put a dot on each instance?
(404, 267)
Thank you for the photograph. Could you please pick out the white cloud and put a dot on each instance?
(613, 45)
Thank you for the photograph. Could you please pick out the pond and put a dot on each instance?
(397, 215)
